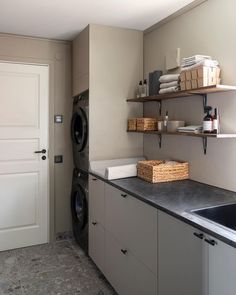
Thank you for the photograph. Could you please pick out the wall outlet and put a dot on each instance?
(58, 159)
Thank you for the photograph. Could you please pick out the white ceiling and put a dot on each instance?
(63, 19)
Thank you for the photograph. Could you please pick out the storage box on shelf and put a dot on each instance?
(200, 77)
(162, 171)
(132, 124)
(146, 124)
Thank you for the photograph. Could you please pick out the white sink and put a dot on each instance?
(115, 168)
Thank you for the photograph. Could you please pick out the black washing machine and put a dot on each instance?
(79, 131)
(79, 208)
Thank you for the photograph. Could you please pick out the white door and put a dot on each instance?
(23, 173)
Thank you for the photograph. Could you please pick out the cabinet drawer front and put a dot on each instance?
(97, 244)
(141, 235)
(134, 223)
(116, 265)
(126, 273)
(96, 200)
(116, 211)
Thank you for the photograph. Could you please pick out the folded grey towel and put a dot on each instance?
(170, 84)
(169, 90)
(169, 78)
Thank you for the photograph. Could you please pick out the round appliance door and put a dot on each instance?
(79, 129)
(79, 209)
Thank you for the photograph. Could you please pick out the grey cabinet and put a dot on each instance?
(96, 221)
(222, 268)
(80, 65)
(133, 223)
(180, 257)
(193, 262)
(125, 272)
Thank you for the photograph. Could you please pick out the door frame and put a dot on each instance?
(50, 179)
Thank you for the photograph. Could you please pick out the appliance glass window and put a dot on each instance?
(79, 208)
(79, 129)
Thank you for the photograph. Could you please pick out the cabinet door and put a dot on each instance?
(80, 65)
(133, 223)
(96, 200)
(141, 234)
(127, 274)
(222, 269)
(97, 244)
(180, 258)
(116, 211)
(116, 270)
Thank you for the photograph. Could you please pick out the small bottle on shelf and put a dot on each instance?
(216, 122)
(165, 121)
(144, 89)
(207, 120)
(140, 88)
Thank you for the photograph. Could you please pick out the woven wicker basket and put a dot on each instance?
(162, 171)
(146, 124)
(132, 124)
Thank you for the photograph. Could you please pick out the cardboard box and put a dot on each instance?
(182, 85)
(194, 84)
(182, 76)
(188, 75)
(188, 85)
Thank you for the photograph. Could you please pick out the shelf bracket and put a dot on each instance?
(160, 107)
(204, 141)
(204, 97)
(160, 140)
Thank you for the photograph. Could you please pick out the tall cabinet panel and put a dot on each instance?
(80, 65)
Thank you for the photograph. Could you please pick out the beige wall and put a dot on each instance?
(58, 55)
(208, 29)
(116, 66)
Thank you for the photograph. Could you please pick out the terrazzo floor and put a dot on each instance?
(59, 268)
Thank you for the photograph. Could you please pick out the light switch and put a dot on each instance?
(58, 159)
(58, 119)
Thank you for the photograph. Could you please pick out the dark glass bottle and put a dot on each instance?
(208, 120)
(216, 122)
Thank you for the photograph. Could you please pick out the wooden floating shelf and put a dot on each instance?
(202, 135)
(185, 93)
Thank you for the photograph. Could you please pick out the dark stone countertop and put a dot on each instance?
(177, 198)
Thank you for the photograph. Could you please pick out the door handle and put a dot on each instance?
(43, 151)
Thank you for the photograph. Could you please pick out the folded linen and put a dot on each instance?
(169, 84)
(169, 90)
(188, 61)
(169, 78)
(205, 63)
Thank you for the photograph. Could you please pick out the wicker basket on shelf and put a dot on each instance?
(146, 124)
(162, 171)
(132, 124)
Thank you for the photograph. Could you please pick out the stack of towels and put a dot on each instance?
(169, 83)
(195, 61)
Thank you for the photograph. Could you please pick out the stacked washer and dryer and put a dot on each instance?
(79, 194)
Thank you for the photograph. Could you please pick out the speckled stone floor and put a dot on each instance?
(59, 268)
